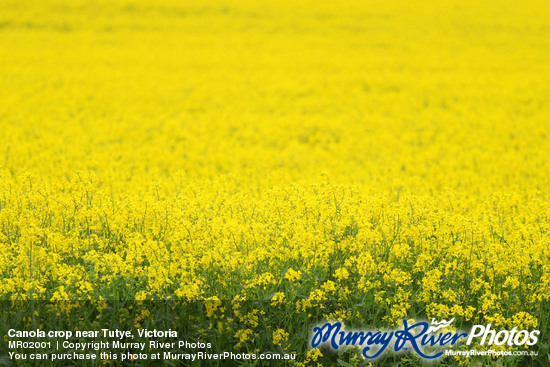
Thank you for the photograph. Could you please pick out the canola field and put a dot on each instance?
(274, 164)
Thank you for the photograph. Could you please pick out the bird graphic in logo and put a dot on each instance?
(439, 325)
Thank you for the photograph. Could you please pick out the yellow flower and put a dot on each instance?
(341, 273)
(293, 275)
(277, 299)
(279, 336)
